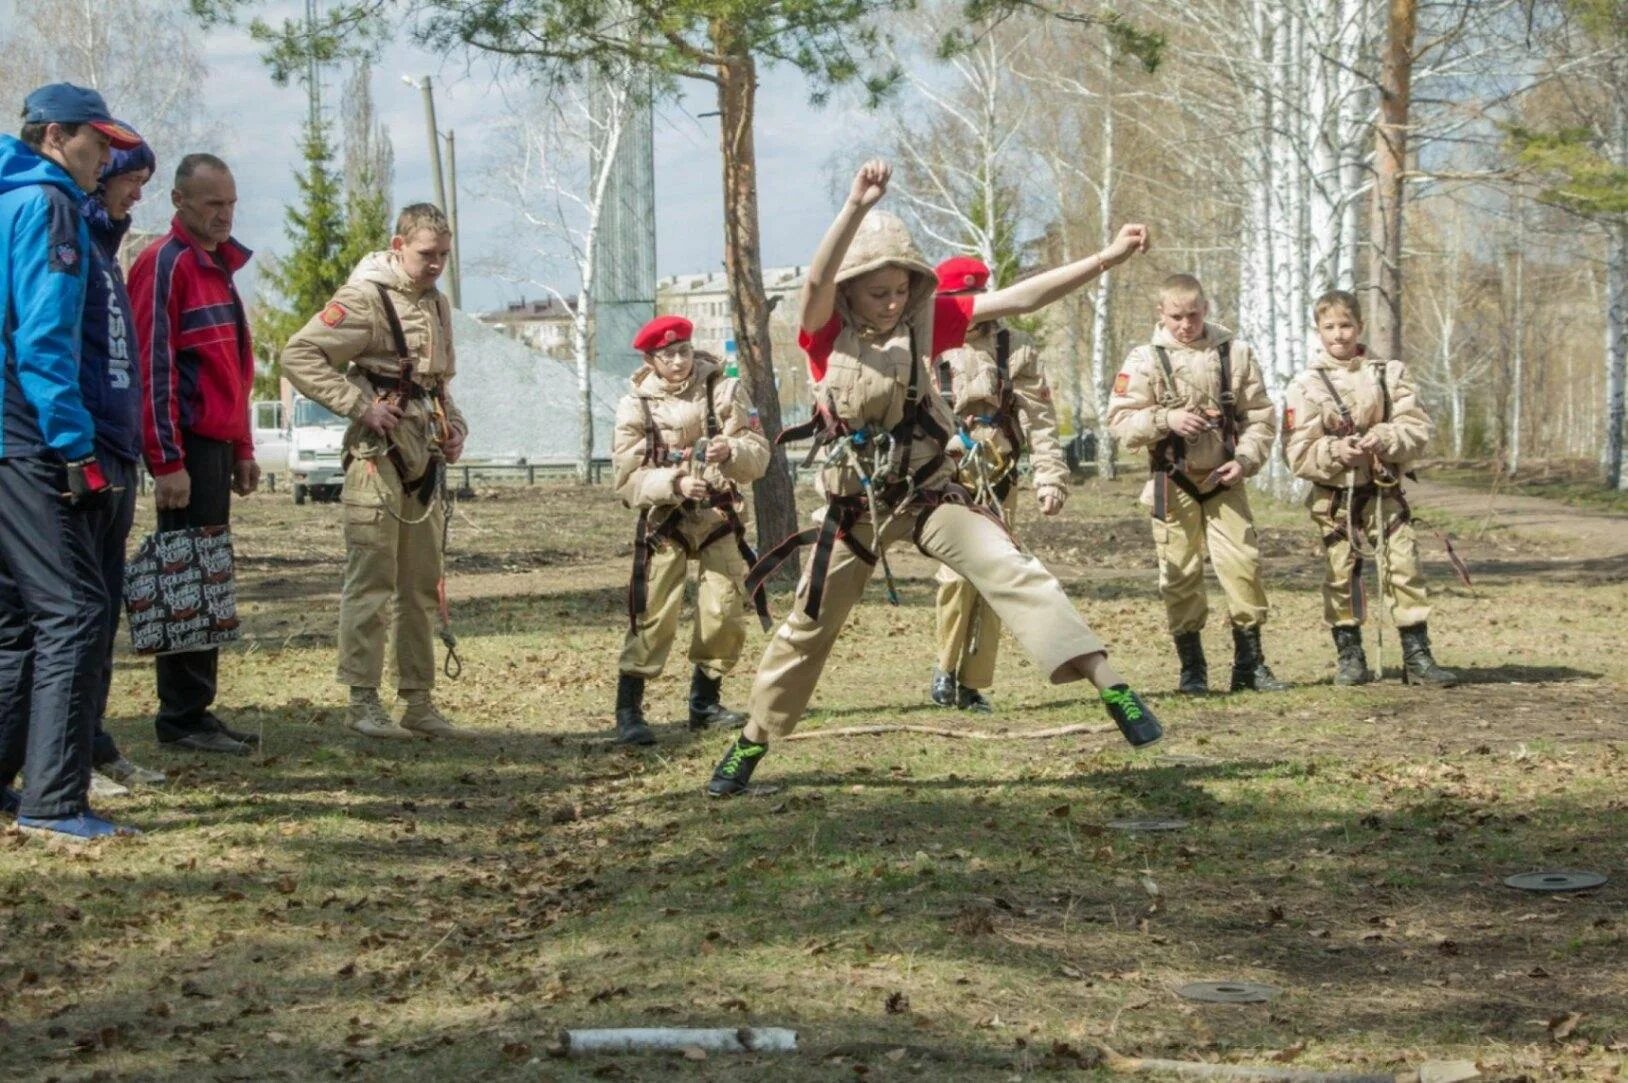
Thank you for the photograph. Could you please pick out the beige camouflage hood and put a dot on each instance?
(883, 240)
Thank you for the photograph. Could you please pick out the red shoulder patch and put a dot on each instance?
(1122, 383)
(334, 314)
(1288, 418)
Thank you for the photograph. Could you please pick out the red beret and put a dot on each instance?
(960, 274)
(662, 331)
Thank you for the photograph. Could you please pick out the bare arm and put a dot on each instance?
(820, 289)
(1037, 292)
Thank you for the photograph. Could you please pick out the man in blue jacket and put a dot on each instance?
(53, 607)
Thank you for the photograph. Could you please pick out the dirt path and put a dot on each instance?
(1596, 533)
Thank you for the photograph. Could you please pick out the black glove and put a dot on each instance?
(87, 487)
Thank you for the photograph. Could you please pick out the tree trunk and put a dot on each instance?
(1518, 351)
(585, 397)
(1616, 353)
(1390, 163)
(773, 497)
(1101, 372)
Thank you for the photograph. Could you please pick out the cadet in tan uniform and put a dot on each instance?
(381, 355)
(998, 395)
(1353, 427)
(1194, 400)
(870, 328)
(687, 439)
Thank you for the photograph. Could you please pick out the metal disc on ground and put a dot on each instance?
(1148, 825)
(1556, 880)
(1227, 992)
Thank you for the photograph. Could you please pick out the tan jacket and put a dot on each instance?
(680, 415)
(1142, 401)
(975, 388)
(1312, 422)
(868, 374)
(330, 358)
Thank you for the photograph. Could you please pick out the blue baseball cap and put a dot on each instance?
(64, 103)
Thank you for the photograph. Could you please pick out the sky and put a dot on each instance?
(796, 143)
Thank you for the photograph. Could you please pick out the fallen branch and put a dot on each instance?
(935, 731)
(1201, 1070)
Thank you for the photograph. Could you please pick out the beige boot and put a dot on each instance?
(423, 719)
(368, 717)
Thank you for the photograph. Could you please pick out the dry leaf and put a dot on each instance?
(896, 1054)
(1448, 1071)
(1290, 1053)
(516, 1051)
(694, 1052)
(1561, 1026)
(896, 1004)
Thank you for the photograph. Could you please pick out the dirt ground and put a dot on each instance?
(914, 906)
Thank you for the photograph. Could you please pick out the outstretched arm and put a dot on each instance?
(820, 290)
(1037, 292)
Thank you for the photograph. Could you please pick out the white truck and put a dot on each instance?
(316, 438)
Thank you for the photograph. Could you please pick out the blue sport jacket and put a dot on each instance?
(109, 376)
(44, 264)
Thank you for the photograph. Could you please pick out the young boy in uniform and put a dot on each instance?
(380, 353)
(871, 326)
(1194, 400)
(687, 441)
(1002, 406)
(1353, 427)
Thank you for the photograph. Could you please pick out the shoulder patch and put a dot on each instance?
(1288, 417)
(334, 314)
(1122, 383)
(63, 224)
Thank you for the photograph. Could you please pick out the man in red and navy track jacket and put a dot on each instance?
(197, 377)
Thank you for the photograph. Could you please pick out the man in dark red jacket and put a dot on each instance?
(197, 376)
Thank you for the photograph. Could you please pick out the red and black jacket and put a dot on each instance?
(197, 359)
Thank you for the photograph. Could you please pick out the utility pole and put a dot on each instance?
(456, 268)
(439, 178)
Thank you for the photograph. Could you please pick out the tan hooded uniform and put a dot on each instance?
(658, 426)
(1380, 398)
(1219, 519)
(869, 381)
(1006, 415)
(345, 358)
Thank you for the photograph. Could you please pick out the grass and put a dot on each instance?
(1575, 483)
(913, 906)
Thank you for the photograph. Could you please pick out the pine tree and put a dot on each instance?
(315, 267)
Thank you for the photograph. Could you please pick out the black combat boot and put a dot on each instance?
(1418, 667)
(733, 775)
(631, 728)
(1195, 671)
(705, 709)
(943, 688)
(970, 699)
(1250, 672)
(1134, 718)
(1353, 663)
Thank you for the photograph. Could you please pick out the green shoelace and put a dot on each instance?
(1124, 700)
(738, 755)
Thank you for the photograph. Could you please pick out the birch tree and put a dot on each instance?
(564, 143)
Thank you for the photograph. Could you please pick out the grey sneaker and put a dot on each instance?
(122, 770)
(213, 741)
(103, 786)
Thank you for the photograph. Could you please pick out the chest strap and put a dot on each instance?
(1168, 458)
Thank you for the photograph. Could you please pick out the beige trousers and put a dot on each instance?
(1223, 526)
(392, 569)
(961, 611)
(1022, 592)
(1404, 585)
(720, 612)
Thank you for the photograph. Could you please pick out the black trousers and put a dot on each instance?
(186, 682)
(53, 629)
(109, 531)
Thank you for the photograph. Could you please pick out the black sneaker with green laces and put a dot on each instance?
(1134, 718)
(734, 772)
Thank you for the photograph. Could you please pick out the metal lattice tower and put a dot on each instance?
(624, 288)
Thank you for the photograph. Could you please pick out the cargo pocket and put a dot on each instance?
(364, 506)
